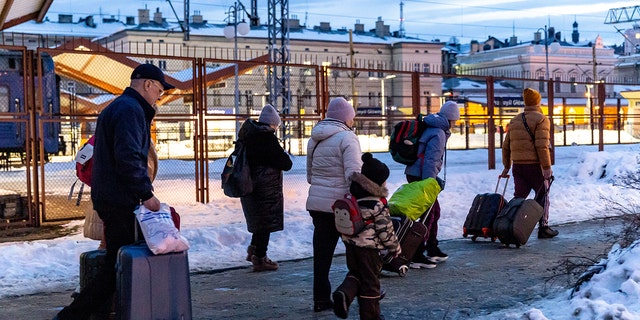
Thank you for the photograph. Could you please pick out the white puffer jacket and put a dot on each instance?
(333, 154)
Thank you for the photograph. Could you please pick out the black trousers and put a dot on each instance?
(119, 230)
(527, 177)
(431, 222)
(363, 281)
(260, 240)
(325, 239)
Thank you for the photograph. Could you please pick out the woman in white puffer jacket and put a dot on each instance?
(333, 155)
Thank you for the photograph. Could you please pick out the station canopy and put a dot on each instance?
(89, 62)
(15, 12)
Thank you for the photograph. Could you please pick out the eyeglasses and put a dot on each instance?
(159, 87)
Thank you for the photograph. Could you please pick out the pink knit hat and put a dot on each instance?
(340, 109)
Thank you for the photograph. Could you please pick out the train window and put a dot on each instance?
(4, 99)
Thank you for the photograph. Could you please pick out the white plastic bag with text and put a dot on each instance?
(159, 230)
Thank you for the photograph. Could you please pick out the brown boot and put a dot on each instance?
(263, 264)
(250, 251)
(369, 308)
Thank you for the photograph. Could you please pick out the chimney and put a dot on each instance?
(143, 16)
(197, 17)
(358, 27)
(513, 41)
(294, 23)
(475, 47)
(380, 28)
(157, 16)
(325, 26)
(537, 37)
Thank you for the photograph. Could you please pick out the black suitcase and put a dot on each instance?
(515, 223)
(91, 264)
(152, 286)
(483, 211)
(410, 235)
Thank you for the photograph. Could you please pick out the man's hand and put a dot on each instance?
(505, 172)
(152, 203)
(547, 173)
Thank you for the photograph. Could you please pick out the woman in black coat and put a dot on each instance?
(264, 207)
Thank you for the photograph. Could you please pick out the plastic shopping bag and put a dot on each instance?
(159, 230)
(413, 199)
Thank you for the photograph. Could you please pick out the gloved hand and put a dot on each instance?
(547, 173)
(505, 172)
(441, 183)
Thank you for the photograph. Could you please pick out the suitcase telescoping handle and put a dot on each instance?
(506, 182)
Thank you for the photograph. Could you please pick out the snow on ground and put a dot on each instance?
(218, 237)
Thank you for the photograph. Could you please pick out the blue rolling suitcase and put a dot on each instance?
(152, 286)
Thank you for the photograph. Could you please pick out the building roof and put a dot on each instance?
(94, 27)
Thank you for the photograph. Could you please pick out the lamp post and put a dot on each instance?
(383, 103)
(546, 50)
(232, 30)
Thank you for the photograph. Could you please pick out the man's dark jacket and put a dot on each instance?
(123, 132)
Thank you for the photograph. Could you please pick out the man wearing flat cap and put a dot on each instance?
(119, 180)
(526, 145)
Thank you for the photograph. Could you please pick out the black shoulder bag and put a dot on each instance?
(526, 126)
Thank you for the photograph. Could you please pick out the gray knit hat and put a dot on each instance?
(340, 109)
(269, 115)
(450, 110)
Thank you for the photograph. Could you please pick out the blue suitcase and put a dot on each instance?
(152, 286)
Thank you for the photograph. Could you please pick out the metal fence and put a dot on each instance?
(197, 123)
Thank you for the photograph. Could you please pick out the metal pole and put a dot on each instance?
(546, 51)
(236, 92)
(384, 107)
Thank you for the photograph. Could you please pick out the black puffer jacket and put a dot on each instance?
(264, 208)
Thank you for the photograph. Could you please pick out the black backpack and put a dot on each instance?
(403, 144)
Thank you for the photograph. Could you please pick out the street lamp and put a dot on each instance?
(384, 100)
(232, 30)
(546, 50)
(383, 103)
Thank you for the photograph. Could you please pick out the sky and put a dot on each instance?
(464, 19)
(218, 238)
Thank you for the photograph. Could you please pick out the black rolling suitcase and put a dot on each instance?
(483, 211)
(515, 223)
(410, 235)
(152, 286)
(91, 264)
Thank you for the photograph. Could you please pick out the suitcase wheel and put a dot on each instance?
(474, 238)
(402, 271)
(493, 239)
